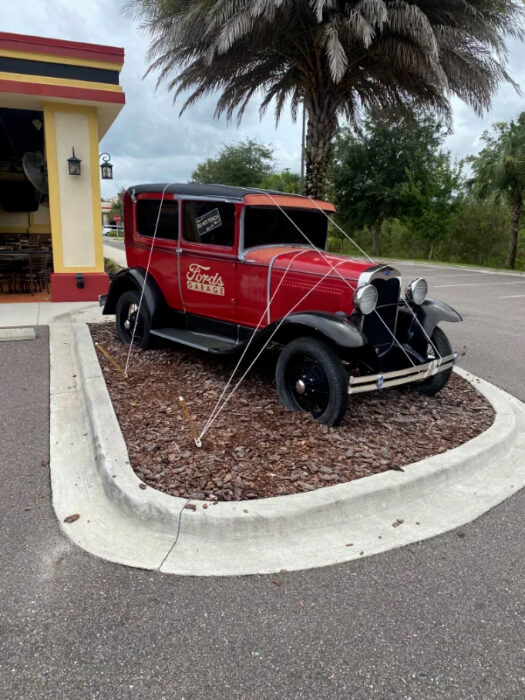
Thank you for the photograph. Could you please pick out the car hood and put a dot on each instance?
(304, 259)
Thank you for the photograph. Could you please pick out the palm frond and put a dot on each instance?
(335, 55)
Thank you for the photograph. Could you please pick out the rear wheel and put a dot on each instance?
(127, 314)
(439, 347)
(310, 377)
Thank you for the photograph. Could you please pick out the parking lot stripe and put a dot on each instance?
(476, 284)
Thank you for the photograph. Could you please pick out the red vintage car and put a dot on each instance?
(223, 267)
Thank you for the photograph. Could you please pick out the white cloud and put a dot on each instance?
(149, 142)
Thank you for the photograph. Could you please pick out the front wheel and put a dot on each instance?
(127, 314)
(310, 377)
(438, 347)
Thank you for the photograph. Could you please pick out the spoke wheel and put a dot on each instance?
(127, 314)
(310, 377)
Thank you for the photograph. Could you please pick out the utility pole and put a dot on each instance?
(302, 148)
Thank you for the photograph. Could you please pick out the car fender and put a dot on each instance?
(335, 329)
(133, 278)
(429, 314)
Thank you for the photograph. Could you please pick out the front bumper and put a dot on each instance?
(373, 382)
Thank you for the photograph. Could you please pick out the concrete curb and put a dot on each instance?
(8, 334)
(316, 528)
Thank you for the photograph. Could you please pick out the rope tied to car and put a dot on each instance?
(223, 399)
(334, 223)
(141, 298)
(218, 408)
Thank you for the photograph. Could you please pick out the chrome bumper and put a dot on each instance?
(372, 382)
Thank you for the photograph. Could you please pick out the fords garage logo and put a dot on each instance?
(199, 280)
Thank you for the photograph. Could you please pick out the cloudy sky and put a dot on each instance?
(149, 142)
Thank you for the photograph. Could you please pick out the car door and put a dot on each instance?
(156, 223)
(208, 258)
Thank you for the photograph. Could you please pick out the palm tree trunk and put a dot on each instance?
(375, 230)
(515, 218)
(322, 125)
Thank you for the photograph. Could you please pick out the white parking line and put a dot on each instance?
(465, 274)
(514, 296)
(475, 284)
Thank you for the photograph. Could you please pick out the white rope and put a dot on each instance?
(422, 328)
(210, 422)
(340, 275)
(265, 312)
(333, 268)
(371, 260)
(217, 410)
(145, 279)
(342, 231)
(397, 341)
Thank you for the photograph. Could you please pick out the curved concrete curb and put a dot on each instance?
(327, 526)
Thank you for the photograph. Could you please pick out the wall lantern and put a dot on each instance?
(74, 164)
(106, 169)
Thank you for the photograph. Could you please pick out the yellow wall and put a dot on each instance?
(74, 200)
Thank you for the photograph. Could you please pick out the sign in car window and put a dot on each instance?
(208, 222)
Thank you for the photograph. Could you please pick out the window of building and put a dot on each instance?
(211, 223)
(147, 213)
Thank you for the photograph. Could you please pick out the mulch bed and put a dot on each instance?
(256, 448)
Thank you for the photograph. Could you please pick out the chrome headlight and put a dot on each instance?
(416, 291)
(365, 298)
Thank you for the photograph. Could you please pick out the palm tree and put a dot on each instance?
(499, 174)
(333, 56)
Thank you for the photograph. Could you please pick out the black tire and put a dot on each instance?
(324, 382)
(125, 315)
(432, 385)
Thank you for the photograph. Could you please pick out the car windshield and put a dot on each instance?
(270, 226)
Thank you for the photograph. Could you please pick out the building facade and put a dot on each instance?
(57, 100)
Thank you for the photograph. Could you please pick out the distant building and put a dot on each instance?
(106, 209)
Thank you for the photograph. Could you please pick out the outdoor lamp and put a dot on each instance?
(74, 164)
(106, 167)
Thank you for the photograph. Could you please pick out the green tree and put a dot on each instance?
(499, 174)
(243, 165)
(384, 171)
(432, 200)
(117, 206)
(476, 233)
(332, 56)
(284, 181)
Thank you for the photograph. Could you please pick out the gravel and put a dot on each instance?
(256, 448)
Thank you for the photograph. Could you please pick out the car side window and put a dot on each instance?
(209, 222)
(147, 214)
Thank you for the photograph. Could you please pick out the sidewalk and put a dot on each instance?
(46, 313)
(115, 254)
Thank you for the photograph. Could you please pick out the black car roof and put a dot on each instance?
(196, 190)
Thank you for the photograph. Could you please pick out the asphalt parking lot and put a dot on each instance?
(440, 619)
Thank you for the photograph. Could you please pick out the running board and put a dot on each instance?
(200, 341)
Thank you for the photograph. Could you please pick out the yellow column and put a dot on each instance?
(74, 201)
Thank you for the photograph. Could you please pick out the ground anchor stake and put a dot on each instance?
(196, 438)
(108, 357)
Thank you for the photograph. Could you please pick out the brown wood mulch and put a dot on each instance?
(256, 448)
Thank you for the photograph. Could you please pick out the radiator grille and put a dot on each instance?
(387, 304)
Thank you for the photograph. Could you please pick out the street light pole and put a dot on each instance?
(302, 148)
